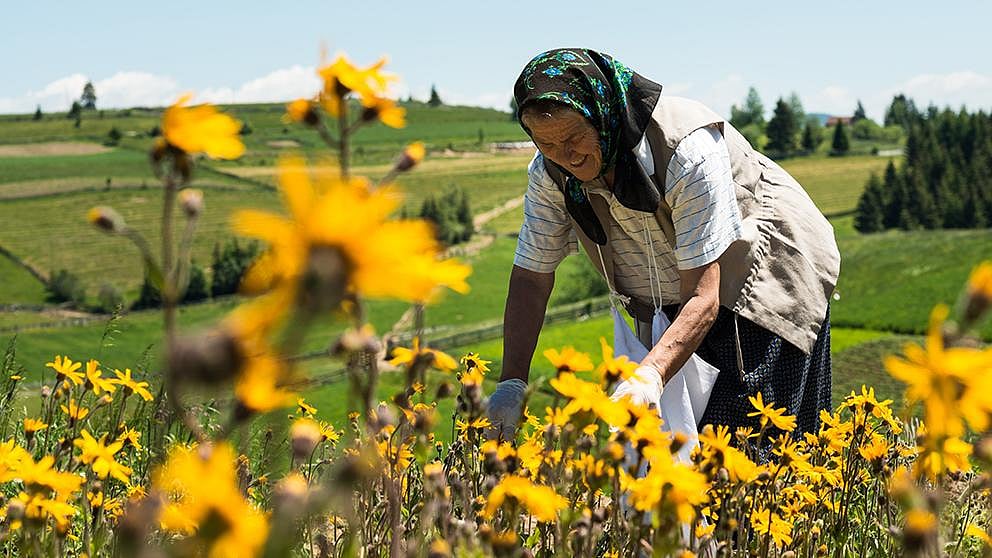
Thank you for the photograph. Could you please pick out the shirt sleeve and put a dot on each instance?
(546, 236)
(700, 191)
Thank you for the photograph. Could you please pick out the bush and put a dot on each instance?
(65, 286)
(109, 298)
(148, 297)
(581, 282)
(451, 214)
(197, 289)
(114, 136)
(229, 265)
(866, 129)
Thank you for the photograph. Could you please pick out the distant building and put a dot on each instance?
(833, 120)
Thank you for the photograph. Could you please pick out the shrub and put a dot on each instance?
(65, 286)
(230, 262)
(109, 298)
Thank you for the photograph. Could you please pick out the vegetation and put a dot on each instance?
(451, 215)
(944, 179)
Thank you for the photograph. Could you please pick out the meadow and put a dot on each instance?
(884, 287)
(213, 438)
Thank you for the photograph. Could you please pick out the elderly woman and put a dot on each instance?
(679, 212)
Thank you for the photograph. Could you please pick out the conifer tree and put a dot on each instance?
(869, 216)
(435, 100)
(841, 144)
(782, 129)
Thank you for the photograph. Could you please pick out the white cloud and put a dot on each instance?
(832, 99)
(953, 89)
(719, 96)
(129, 89)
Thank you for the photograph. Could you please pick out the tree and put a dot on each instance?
(901, 112)
(148, 297)
(841, 143)
(870, 213)
(812, 134)
(74, 111)
(114, 136)
(435, 100)
(513, 108)
(798, 113)
(782, 129)
(37, 113)
(88, 98)
(753, 112)
(859, 113)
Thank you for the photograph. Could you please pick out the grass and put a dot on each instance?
(57, 235)
(892, 280)
(19, 285)
(834, 183)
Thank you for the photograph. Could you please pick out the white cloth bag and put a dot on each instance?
(686, 394)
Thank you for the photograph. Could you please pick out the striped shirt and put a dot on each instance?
(698, 187)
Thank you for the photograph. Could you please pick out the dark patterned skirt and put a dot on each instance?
(782, 373)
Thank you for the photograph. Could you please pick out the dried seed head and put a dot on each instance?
(304, 436)
(191, 201)
(208, 358)
(106, 219)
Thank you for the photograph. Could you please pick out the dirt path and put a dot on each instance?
(480, 242)
(51, 148)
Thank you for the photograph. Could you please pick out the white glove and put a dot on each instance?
(644, 387)
(505, 408)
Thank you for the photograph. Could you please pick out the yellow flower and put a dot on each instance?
(866, 403)
(41, 476)
(568, 360)
(542, 502)
(946, 380)
(301, 110)
(669, 487)
(33, 425)
(440, 360)
(95, 381)
(74, 411)
(980, 281)
(131, 385)
(589, 397)
(100, 456)
(951, 454)
(920, 522)
(472, 361)
(341, 77)
(387, 111)
(465, 428)
(766, 522)
(200, 483)
(386, 259)
(768, 413)
(614, 369)
(304, 408)
(11, 457)
(66, 369)
(131, 437)
(259, 388)
(40, 507)
(975, 531)
(201, 129)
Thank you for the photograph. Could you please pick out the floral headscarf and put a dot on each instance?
(617, 101)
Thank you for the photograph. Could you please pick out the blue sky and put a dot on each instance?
(831, 53)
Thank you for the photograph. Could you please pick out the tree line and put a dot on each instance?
(790, 131)
(945, 179)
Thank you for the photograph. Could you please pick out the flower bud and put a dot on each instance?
(191, 202)
(106, 219)
(412, 155)
(208, 358)
(301, 110)
(304, 436)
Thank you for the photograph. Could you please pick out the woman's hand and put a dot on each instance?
(505, 408)
(644, 387)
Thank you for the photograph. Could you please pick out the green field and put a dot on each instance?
(888, 284)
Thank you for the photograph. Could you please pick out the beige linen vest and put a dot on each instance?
(782, 271)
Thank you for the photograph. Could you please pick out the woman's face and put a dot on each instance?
(567, 138)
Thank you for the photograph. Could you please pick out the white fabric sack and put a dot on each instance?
(686, 394)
